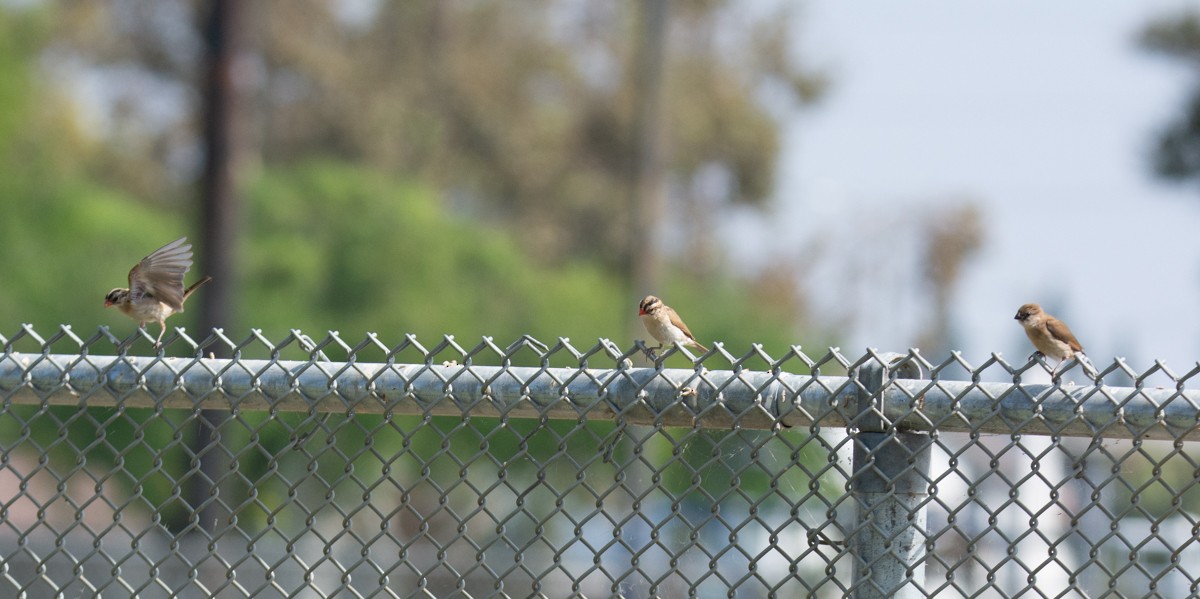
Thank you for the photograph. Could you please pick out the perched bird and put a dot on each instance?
(1051, 337)
(156, 286)
(665, 325)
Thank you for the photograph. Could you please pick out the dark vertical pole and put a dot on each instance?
(647, 202)
(219, 201)
(646, 180)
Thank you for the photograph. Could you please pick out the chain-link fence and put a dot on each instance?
(297, 468)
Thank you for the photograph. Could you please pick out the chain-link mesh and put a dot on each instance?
(298, 468)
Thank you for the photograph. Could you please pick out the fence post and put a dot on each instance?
(890, 485)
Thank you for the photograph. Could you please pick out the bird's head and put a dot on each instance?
(115, 296)
(648, 305)
(1026, 312)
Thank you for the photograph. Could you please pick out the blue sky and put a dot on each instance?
(1044, 113)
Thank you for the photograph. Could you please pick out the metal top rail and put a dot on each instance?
(697, 397)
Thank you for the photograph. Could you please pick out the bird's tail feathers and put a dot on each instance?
(187, 292)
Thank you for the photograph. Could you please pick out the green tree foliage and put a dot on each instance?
(345, 248)
(1177, 155)
(337, 247)
(525, 115)
(330, 246)
(61, 232)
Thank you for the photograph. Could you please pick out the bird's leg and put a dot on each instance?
(1053, 373)
(1056, 377)
(649, 351)
(158, 342)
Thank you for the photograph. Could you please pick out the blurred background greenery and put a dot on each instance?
(429, 168)
(423, 167)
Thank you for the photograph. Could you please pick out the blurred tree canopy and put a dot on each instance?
(523, 115)
(328, 246)
(333, 246)
(1177, 153)
(377, 132)
(58, 226)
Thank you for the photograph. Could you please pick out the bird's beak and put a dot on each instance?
(1017, 317)
(107, 303)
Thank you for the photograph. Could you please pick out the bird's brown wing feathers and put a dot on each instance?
(160, 275)
(1059, 330)
(675, 320)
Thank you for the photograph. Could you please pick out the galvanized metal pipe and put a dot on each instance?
(890, 485)
(672, 397)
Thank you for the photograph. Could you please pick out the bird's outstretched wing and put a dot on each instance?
(160, 275)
